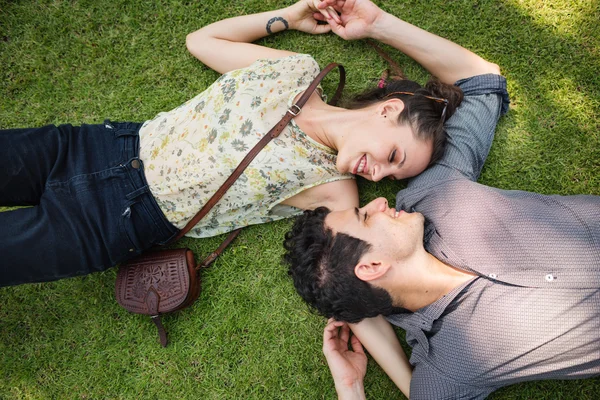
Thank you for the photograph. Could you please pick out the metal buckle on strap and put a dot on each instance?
(290, 110)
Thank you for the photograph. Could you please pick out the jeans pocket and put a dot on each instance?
(137, 229)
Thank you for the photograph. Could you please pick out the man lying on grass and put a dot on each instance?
(492, 286)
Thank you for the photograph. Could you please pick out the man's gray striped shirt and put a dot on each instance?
(533, 312)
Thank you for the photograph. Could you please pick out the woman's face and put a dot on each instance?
(381, 148)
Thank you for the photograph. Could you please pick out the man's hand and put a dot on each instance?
(358, 17)
(348, 367)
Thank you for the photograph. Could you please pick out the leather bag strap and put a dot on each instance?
(213, 256)
(162, 333)
(273, 133)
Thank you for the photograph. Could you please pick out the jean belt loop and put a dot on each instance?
(126, 132)
(138, 192)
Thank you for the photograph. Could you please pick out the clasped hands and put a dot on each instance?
(349, 19)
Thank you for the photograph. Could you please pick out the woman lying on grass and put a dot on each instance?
(104, 193)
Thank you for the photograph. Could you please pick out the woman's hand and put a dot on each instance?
(357, 18)
(348, 367)
(305, 14)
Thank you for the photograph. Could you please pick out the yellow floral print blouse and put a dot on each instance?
(188, 152)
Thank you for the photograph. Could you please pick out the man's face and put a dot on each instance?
(394, 235)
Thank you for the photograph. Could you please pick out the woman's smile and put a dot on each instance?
(361, 166)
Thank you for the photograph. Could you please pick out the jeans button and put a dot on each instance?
(135, 164)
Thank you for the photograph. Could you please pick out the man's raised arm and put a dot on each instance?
(378, 336)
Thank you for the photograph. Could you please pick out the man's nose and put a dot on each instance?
(380, 204)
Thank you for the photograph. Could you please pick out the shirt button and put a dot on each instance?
(550, 277)
(493, 276)
(135, 164)
(131, 250)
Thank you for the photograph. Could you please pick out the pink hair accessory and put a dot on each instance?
(381, 83)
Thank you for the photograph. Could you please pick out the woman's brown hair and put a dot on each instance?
(426, 108)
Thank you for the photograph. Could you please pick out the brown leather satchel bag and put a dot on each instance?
(162, 281)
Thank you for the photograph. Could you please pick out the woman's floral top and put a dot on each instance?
(190, 151)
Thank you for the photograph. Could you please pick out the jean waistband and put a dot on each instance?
(128, 132)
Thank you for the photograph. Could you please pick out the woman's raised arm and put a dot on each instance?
(226, 45)
(442, 58)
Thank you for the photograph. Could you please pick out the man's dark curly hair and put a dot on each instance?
(322, 267)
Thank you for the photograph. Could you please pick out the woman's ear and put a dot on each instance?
(391, 108)
(371, 270)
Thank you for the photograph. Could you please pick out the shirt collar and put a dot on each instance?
(434, 310)
(428, 231)
(421, 321)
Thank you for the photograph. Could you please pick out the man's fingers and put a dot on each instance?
(331, 329)
(334, 321)
(357, 346)
(330, 335)
(345, 334)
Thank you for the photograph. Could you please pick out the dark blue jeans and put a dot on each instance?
(92, 207)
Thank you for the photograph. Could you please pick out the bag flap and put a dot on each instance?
(165, 272)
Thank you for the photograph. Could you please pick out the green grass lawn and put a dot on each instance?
(250, 336)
